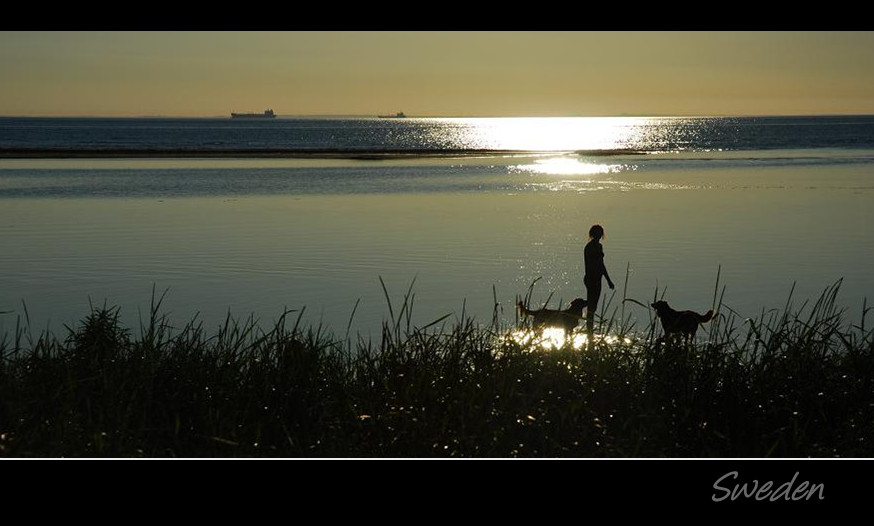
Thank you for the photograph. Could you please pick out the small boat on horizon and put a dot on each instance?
(398, 115)
(268, 114)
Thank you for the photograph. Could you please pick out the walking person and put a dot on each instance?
(595, 270)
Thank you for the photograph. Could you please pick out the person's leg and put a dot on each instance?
(593, 293)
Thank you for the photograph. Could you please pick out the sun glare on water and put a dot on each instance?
(541, 134)
(554, 338)
(567, 166)
(565, 147)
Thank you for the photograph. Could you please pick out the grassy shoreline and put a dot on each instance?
(799, 383)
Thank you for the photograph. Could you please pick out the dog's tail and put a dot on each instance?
(706, 317)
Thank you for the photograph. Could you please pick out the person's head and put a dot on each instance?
(596, 232)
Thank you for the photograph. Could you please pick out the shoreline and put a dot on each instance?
(279, 153)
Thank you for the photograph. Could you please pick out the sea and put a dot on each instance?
(349, 224)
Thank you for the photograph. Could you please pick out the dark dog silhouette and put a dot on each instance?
(683, 323)
(566, 319)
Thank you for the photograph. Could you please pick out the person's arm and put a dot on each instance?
(604, 268)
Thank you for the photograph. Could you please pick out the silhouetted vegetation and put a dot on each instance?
(790, 384)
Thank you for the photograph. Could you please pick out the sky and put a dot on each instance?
(435, 73)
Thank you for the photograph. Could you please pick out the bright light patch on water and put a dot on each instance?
(552, 338)
(566, 166)
(540, 133)
(592, 184)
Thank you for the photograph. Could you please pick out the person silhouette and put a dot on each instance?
(594, 260)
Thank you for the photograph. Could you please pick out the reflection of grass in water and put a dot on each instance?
(787, 384)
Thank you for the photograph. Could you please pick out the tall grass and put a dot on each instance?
(794, 383)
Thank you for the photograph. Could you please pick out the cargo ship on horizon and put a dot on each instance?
(268, 114)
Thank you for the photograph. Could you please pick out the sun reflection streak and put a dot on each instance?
(541, 133)
(567, 166)
(550, 339)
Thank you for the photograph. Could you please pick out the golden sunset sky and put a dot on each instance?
(433, 73)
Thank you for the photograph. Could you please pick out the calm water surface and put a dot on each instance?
(258, 236)
(261, 254)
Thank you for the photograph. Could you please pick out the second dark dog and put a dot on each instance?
(682, 323)
(566, 319)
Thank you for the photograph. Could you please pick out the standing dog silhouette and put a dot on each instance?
(566, 319)
(683, 323)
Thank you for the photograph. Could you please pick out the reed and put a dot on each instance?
(794, 383)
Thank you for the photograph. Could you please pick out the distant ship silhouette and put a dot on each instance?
(268, 114)
(398, 115)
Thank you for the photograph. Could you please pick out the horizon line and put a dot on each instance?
(457, 116)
